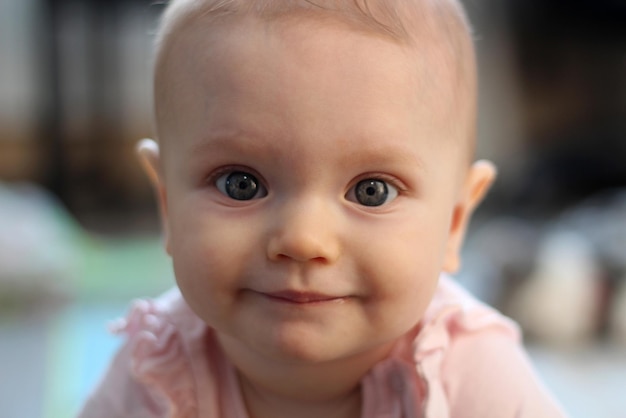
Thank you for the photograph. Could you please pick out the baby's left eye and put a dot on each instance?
(372, 192)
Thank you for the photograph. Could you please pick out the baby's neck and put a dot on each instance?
(262, 403)
(274, 389)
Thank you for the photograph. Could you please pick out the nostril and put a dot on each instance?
(285, 257)
(281, 257)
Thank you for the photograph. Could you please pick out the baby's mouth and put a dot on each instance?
(301, 298)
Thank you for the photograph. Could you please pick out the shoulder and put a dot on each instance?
(481, 367)
(488, 375)
(119, 394)
(151, 375)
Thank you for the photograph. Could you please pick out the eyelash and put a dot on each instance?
(393, 181)
(212, 178)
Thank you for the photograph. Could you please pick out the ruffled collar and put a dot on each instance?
(175, 353)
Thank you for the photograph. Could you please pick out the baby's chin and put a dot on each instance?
(305, 349)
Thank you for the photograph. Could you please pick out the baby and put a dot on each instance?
(314, 168)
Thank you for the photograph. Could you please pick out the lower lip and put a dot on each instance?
(303, 301)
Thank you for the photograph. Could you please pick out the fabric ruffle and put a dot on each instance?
(159, 356)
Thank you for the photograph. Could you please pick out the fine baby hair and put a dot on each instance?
(313, 166)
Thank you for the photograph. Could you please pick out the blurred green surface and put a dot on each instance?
(122, 268)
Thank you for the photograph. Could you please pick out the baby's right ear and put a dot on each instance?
(149, 157)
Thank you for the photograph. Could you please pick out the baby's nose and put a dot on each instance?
(304, 230)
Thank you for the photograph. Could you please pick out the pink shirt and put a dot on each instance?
(465, 361)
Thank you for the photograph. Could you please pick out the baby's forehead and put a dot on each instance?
(436, 29)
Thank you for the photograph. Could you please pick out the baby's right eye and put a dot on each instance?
(240, 185)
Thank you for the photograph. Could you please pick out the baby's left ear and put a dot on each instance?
(478, 182)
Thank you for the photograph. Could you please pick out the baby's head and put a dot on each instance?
(314, 167)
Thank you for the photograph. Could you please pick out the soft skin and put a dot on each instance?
(310, 110)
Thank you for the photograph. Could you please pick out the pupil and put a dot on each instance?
(241, 186)
(371, 192)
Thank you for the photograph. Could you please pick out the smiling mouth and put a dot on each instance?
(301, 298)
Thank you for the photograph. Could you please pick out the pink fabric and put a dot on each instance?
(464, 360)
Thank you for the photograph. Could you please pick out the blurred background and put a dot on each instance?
(79, 230)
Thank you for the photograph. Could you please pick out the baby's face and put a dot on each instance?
(310, 183)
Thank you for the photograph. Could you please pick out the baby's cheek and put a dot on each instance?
(196, 259)
(402, 281)
(203, 281)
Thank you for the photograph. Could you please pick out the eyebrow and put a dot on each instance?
(253, 144)
(240, 141)
(384, 153)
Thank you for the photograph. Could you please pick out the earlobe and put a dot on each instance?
(479, 180)
(149, 157)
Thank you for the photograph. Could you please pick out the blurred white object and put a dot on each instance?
(558, 303)
(602, 220)
(37, 248)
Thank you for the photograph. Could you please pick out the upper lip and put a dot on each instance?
(295, 296)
